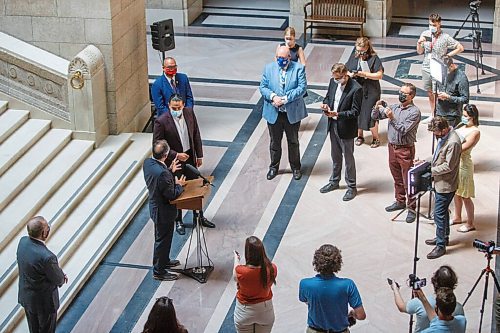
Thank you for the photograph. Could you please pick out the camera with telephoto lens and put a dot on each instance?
(416, 283)
(486, 247)
(382, 106)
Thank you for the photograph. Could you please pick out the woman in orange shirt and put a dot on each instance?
(254, 307)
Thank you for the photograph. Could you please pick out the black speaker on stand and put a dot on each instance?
(162, 36)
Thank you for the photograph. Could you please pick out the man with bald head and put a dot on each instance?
(283, 86)
(168, 84)
(39, 278)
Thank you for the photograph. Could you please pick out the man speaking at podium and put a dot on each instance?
(179, 128)
(163, 187)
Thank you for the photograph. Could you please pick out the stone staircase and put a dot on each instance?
(88, 195)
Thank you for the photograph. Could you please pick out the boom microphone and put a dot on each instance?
(196, 172)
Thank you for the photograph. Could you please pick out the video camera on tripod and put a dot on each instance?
(486, 247)
(474, 5)
(419, 178)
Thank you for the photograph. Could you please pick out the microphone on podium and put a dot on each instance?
(196, 172)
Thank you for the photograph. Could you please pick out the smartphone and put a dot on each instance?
(236, 252)
(389, 281)
(428, 39)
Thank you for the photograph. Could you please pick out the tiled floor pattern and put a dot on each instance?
(292, 217)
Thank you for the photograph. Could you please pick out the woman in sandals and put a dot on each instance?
(470, 135)
(366, 68)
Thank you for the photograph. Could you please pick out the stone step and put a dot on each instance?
(21, 141)
(92, 227)
(3, 106)
(10, 121)
(31, 163)
(65, 199)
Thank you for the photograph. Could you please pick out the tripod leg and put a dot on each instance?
(474, 286)
(485, 297)
(495, 280)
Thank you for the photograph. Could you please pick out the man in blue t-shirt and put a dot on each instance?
(328, 296)
(441, 316)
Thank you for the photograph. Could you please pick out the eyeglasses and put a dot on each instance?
(170, 67)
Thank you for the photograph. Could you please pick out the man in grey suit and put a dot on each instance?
(39, 278)
(283, 86)
(444, 169)
(342, 105)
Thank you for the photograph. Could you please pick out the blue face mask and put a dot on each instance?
(465, 120)
(282, 62)
(433, 29)
(176, 114)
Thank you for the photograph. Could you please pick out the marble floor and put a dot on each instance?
(224, 56)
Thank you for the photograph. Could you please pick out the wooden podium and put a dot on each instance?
(194, 198)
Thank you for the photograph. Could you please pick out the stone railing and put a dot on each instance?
(70, 94)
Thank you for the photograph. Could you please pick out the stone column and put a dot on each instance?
(183, 12)
(116, 27)
(378, 16)
(496, 23)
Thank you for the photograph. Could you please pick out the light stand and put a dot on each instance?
(488, 271)
(476, 36)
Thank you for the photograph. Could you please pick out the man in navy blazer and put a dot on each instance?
(283, 86)
(39, 278)
(342, 105)
(162, 187)
(168, 84)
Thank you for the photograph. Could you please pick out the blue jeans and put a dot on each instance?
(442, 217)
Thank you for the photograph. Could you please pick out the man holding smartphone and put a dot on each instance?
(402, 135)
(434, 43)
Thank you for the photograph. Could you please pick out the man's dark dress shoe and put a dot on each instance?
(272, 173)
(350, 194)
(433, 241)
(173, 263)
(395, 206)
(179, 227)
(410, 218)
(437, 252)
(206, 223)
(329, 187)
(297, 174)
(165, 277)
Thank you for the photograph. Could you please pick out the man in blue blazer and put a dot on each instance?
(168, 84)
(283, 86)
(39, 278)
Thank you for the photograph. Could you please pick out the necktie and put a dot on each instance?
(172, 83)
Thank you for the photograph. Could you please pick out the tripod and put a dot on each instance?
(476, 36)
(488, 271)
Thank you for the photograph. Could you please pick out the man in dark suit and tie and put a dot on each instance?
(168, 84)
(39, 278)
(162, 187)
(283, 86)
(342, 105)
(179, 128)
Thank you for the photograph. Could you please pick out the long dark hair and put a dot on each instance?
(255, 255)
(162, 318)
(472, 111)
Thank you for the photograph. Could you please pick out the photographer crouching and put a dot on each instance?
(444, 277)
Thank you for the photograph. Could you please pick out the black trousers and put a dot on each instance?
(41, 322)
(164, 231)
(292, 137)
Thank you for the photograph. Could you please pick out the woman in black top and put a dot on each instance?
(366, 68)
(296, 51)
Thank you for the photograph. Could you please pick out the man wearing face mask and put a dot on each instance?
(342, 105)
(283, 86)
(444, 169)
(179, 128)
(434, 43)
(39, 278)
(402, 135)
(171, 82)
(453, 94)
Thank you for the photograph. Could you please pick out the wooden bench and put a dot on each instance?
(334, 12)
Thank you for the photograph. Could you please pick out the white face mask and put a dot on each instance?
(339, 81)
(433, 29)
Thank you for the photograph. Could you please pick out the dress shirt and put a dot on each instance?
(402, 130)
(180, 124)
(457, 86)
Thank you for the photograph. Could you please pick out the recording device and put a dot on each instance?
(416, 283)
(382, 106)
(197, 173)
(474, 5)
(351, 320)
(390, 282)
(384, 103)
(428, 39)
(486, 247)
(420, 178)
(237, 253)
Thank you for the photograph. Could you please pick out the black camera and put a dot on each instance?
(486, 247)
(416, 283)
(351, 320)
(474, 5)
(383, 103)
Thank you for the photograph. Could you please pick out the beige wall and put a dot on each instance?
(116, 27)
(183, 12)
